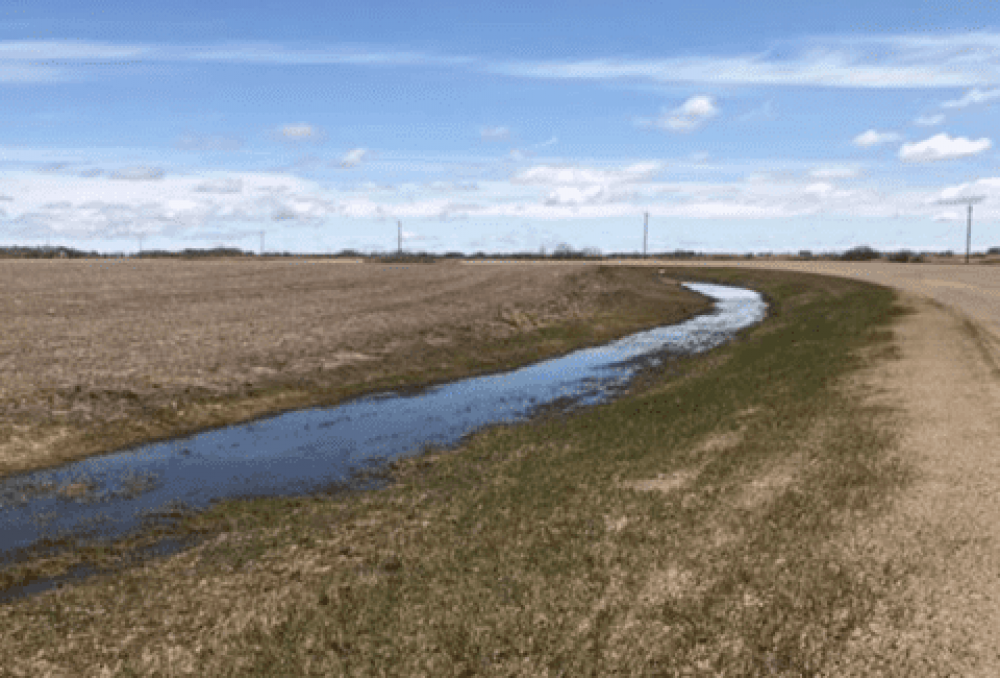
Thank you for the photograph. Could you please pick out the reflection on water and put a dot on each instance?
(305, 451)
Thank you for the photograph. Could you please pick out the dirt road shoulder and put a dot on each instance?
(945, 528)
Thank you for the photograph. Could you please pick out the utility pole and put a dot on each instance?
(262, 243)
(645, 235)
(140, 243)
(400, 237)
(969, 201)
(968, 235)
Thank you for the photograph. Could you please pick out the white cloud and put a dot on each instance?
(433, 208)
(68, 50)
(494, 133)
(187, 205)
(276, 53)
(582, 192)
(959, 59)
(102, 206)
(575, 186)
(691, 115)
(820, 189)
(974, 96)
(834, 173)
(51, 61)
(588, 195)
(942, 147)
(550, 142)
(961, 193)
(882, 61)
(569, 175)
(873, 138)
(929, 120)
(353, 157)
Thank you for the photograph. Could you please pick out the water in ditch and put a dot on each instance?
(305, 451)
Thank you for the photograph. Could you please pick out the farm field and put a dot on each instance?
(101, 354)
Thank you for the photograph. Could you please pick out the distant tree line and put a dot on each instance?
(62, 252)
(562, 251)
(17, 252)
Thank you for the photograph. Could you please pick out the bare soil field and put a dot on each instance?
(96, 355)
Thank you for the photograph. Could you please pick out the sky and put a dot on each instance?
(499, 127)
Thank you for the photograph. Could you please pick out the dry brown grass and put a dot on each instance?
(97, 355)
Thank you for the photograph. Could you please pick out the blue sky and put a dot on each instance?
(508, 126)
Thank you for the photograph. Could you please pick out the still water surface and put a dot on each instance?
(306, 451)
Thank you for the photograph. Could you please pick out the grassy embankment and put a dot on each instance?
(687, 529)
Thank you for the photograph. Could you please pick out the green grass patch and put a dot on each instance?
(685, 529)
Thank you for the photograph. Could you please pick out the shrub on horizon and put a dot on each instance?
(904, 256)
(860, 253)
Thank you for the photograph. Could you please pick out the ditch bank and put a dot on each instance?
(144, 493)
